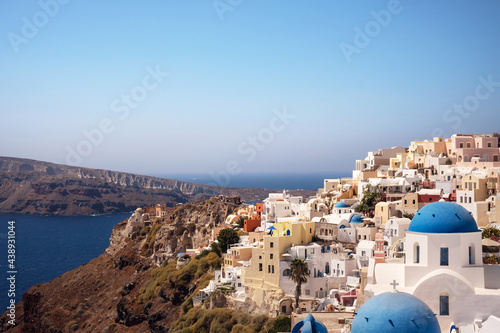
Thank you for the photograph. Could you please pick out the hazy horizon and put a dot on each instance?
(240, 87)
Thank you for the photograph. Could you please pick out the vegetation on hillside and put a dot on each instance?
(199, 320)
(196, 270)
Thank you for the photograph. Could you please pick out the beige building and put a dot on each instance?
(237, 255)
(493, 181)
(366, 233)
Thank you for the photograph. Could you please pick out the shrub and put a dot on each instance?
(282, 323)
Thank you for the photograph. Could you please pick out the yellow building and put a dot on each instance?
(385, 210)
(264, 271)
(438, 145)
(477, 184)
(398, 162)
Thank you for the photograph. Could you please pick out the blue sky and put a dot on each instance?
(67, 68)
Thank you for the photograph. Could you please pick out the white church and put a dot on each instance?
(443, 267)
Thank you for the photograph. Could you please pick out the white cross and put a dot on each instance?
(394, 284)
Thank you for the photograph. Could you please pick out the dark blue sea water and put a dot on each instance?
(275, 181)
(48, 246)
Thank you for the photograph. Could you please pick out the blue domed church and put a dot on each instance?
(443, 267)
(395, 312)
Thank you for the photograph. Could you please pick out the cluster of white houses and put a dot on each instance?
(451, 188)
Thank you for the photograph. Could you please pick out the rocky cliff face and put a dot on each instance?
(34, 187)
(104, 295)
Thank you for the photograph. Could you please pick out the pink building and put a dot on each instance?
(467, 146)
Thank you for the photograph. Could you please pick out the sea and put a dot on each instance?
(274, 181)
(49, 246)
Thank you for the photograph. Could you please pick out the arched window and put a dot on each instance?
(327, 268)
(444, 305)
(286, 272)
(416, 253)
(444, 256)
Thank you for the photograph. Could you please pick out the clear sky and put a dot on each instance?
(242, 86)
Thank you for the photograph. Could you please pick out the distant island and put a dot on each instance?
(36, 187)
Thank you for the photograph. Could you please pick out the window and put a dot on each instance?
(468, 144)
(413, 201)
(470, 199)
(416, 258)
(272, 269)
(406, 201)
(286, 272)
(444, 256)
(271, 245)
(471, 256)
(269, 269)
(260, 257)
(271, 256)
(461, 145)
(308, 292)
(327, 268)
(444, 305)
(260, 267)
(489, 144)
(310, 230)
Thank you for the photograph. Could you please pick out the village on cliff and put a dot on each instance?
(408, 243)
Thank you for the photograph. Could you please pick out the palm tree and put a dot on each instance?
(299, 271)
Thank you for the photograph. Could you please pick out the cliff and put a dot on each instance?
(108, 294)
(35, 187)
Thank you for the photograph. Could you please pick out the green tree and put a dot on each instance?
(241, 221)
(299, 272)
(227, 237)
(489, 232)
(282, 323)
(370, 199)
(409, 215)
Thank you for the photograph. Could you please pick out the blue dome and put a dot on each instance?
(341, 204)
(356, 219)
(395, 312)
(309, 325)
(443, 217)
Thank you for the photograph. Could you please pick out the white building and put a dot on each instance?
(318, 259)
(394, 232)
(443, 267)
(280, 205)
